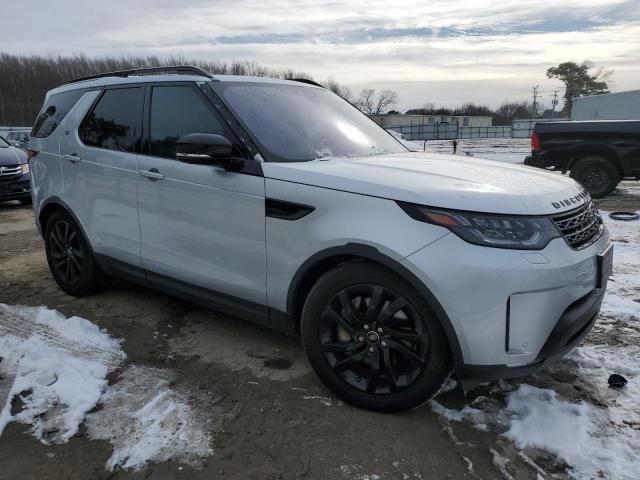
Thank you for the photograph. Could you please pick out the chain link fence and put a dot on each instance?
(451, 131)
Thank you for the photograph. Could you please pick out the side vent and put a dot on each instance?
(286, 210)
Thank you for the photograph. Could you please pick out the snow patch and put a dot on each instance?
(145, 420)
(57, 367)
(621, 299)
(578, 433)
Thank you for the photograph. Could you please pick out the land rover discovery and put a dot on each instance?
(279, 202)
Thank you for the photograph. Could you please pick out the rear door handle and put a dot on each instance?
(73, 158)
(152, 174)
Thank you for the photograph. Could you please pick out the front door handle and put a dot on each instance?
(73, 158)
(152, 174)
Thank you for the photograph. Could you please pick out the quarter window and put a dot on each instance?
(115, 123)
(175, 112)
(54, 112)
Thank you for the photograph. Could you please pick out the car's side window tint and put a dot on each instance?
(175, 112)
(54, 112)
(115, 123)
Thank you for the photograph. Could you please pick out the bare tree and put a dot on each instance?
(373, 104)
(339, 89)
(24, 80)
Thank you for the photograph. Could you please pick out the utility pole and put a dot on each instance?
(554, 102)
(535, 100)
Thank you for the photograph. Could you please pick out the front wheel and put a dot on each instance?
(598, 175)
(373, 340)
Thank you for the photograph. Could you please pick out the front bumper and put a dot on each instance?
(574, 324)
(15, 188)
(511, 311)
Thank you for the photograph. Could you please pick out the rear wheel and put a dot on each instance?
(597, 174)
(69, 257)
(373, 339)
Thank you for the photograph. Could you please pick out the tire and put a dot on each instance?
(400, 361)
(597, 174)
(25, 201)
(70, 257)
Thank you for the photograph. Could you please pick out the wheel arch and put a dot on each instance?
(321, 262)
(596, 150)
(52, 205)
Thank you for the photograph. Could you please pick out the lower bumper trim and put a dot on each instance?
(574, 324)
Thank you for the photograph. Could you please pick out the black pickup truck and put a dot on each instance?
(598, 154)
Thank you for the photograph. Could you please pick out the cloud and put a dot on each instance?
(358, 42)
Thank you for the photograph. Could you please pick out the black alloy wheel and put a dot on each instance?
(69, 256)
(373, 339)
(66, 251)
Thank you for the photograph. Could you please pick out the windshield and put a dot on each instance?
(300, 123)
(4, 143)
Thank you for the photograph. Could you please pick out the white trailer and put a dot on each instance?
(609, 106)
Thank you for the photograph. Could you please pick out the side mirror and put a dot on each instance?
(206, 149)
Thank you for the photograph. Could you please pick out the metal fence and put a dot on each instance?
(450, 131)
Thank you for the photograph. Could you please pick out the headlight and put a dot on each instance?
(25, 168)
(490, 230)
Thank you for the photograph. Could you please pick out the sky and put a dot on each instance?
(445, 52)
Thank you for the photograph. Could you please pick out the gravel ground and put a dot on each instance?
(270, 416)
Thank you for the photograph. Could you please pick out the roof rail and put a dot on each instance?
(176, 69)
(306, 80)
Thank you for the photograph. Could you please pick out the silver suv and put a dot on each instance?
(278, 202)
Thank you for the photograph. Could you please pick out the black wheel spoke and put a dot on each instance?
(341, 347)
(77, 265)
(375, 304)
(335, 317)
(405, 351)
(388, 369)
(350, 361)
(77, 253)
(57, 255)
(391, 309)
(60, 234)
(66, 232)
(72, 236)
(374, 376)
(56, 240)
(402, 335)
(58, 264)
(347, 308)
(67, 271)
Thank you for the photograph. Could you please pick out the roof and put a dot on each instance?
(625, 92)
(147, 75)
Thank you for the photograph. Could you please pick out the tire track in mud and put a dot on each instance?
(20, 326)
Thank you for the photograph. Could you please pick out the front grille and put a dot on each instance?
(580, 227)
(7, 171)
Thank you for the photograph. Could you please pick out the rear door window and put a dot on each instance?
(176, 111)
(115, 122)
(54, 111)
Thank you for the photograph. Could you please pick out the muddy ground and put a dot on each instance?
(272, 418)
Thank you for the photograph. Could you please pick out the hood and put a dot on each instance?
(12, 156)
(447, 181)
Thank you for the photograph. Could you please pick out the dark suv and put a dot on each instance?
(15, 182)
